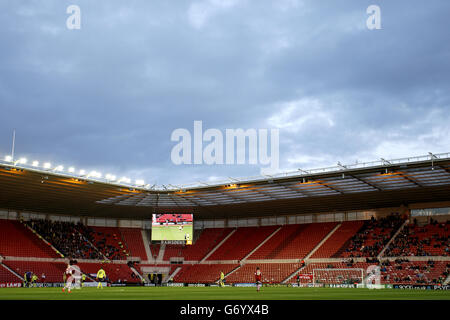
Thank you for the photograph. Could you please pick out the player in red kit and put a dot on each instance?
(258, 277)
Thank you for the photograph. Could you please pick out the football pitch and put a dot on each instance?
(171, 232)
(216, 293)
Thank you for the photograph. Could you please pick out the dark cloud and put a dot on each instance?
(108, 96)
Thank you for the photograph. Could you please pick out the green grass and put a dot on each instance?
(171, 232)
(216, 293)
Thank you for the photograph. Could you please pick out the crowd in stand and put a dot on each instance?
(76, 241)
(415, 274)
(416, 241)
(66, 237)
(100, 240)
(379, 231)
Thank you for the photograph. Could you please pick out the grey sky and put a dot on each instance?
(108, 96)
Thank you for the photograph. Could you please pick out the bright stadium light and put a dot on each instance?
(140, 182)
(47, 165)
(8, 158)
(82, 172)
(110, 177)
(23, 160)
(71, 170)
(95, 174)
(125, 179)
(35, 163)
(59, 168)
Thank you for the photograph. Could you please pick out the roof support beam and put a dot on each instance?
(364, 181)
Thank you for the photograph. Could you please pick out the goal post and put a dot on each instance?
(338, 276)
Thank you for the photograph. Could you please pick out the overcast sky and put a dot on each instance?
(108, 96)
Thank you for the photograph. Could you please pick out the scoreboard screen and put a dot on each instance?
(173, 227)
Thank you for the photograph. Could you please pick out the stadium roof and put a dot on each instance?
(384, 183)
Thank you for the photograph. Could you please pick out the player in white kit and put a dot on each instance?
(73, 274)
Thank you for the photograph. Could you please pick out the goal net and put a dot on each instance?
(338, 276)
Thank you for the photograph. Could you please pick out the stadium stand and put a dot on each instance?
(241, 243)
(338, 239)
(8, 277)
(53, 271)
(114, 272)
(272, 272)
(372, 237)
(293, 241)
(352, 243)
(402, 271)
(18, 241)
(429, 240)
(132, 237)
(109, 241)
(154, 248)
(203, 273)
(65, 237)
(207, 240)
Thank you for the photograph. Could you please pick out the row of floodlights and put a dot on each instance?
(71, 170)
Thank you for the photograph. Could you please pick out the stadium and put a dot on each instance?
(248, 157)
(317, 234)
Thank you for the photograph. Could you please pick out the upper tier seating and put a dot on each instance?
(18, 241)
(429, 240)
(133, 239)
(293, 241)
(330, 248)
(109, 241)
(241, 243)
(68, 238)
(372, 237)
(207, 240)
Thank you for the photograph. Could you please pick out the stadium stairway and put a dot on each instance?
(393, 238)
(43, 239)
(218, 246)
(262, 243)
(11, 275)
(99, 251)
(309, 255)
(137, 273)
(174, 273)
(293, 274)
(161, 252)
(233, 271)
(146, 242)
